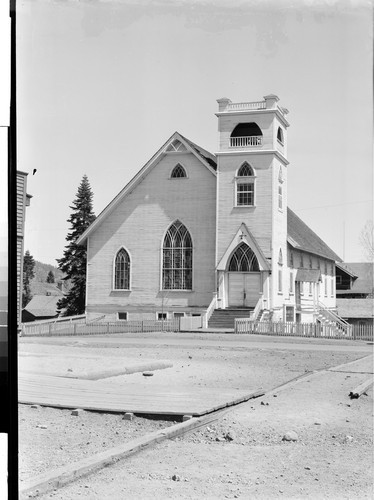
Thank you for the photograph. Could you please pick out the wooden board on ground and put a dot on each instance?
(159, 400)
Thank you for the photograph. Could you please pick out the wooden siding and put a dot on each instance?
(229, 218)
(279, 242)
(139, 224)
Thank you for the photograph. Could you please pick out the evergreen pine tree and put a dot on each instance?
(50, 277)
(73, 263)
(28, 275)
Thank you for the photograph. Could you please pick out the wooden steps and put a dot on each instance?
(225, 318)
(135, 398)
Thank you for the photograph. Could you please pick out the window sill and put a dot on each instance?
(244, 206)
(176, 290)
(121, 290)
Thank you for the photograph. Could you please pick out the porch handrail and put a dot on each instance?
(210, 309)
(332, 315)
(256, 311)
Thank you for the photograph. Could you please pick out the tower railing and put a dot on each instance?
(246, 105)
(242, 142)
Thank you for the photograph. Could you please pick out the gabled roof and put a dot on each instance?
(206, 158)
(364, 271)
(209, 157)
(301, 237)
(344, 267)
(243, 235)
(43, 305)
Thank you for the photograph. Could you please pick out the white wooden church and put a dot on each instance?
(199, 234)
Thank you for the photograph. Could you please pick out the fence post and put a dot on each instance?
(142, 326)
(75, 329)
(49, 329)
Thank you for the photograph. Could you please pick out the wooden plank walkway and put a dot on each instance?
(135, 398)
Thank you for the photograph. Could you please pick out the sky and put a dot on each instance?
(103, 84)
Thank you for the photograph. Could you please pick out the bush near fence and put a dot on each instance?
(291, 329)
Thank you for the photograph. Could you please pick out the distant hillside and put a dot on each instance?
(39, 285)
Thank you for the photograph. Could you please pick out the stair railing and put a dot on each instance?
(209, 311)
(331, 316)
(256, 311)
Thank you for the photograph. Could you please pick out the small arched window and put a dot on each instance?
(177, 258)
(280, 271)
(280, 135)
(178, 172)
(122, 270)
(243, 260)
(245, 186)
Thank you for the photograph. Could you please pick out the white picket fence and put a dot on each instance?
(48, 326)
(80, 327)
(291, 329)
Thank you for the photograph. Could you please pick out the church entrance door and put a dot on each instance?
(244, 289)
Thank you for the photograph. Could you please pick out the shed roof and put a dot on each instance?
(355, 308)
(43, 305)
(301, 237)
(364, 283)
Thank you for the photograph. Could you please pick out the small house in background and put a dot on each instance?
(354, 280)
(41, 307)
(355, 292)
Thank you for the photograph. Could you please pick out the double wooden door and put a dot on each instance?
(244, 289)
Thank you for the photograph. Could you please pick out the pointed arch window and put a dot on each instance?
(280, 272)
(122, 270)
(243, 260)
(245, 186)
(177, 258)
(178, 172)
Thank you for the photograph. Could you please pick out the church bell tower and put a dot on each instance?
(251, 202)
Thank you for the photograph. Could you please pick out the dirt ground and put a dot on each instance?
(240, 456)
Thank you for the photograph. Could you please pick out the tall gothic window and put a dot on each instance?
(245, 186)
(122, 271)
(177, 258)
(243, 259)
